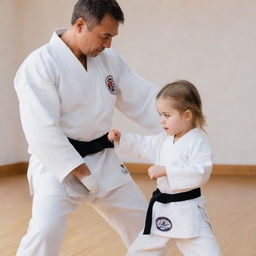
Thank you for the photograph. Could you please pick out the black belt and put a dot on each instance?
(164, 198)
(91, 147)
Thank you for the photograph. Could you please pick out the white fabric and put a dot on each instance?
(90, 183)
(59, 99)
(188, 162)
(154, 245)
(123, 208)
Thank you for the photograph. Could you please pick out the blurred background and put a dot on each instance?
(210, 43)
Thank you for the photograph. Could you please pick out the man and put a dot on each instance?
(67, 91)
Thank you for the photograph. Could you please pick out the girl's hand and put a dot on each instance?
(114, 135)
(156, 171)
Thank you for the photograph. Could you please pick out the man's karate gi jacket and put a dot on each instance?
(59, 98)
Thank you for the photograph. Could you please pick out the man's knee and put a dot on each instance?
(51, 229)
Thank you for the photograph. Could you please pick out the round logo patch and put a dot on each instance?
(163, 224)
(110, 83)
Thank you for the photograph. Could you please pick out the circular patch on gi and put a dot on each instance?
(163, 224)
(110, 83)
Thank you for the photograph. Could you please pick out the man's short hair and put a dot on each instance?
(93, 11)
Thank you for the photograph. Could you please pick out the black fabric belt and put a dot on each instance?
(164, 198)
(91, 147)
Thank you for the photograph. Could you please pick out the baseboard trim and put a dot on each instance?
(13, 169)
(140, 168)
(218, 169)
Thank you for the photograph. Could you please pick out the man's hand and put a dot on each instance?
(81, 171)
(156, 171)
(114, 135)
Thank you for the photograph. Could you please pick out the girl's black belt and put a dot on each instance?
(164, 198)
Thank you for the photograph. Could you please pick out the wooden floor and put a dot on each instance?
(231, 207)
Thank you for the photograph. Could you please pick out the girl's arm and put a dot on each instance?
(137, 145)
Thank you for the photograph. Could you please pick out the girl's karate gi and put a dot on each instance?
(188, 163)
(59, 99)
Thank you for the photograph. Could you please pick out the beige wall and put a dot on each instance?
(24, 26)
(210, 43)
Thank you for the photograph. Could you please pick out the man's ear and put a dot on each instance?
(80, 25)
(188, 115)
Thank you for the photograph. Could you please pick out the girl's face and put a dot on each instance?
(172, 121)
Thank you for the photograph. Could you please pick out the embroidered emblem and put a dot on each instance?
(124, 169)
(163, 224)
(110, 83)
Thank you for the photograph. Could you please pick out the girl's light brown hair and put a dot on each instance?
(185, 97)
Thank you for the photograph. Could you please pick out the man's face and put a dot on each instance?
(92, 42)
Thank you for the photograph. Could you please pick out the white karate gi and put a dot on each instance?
(59, 98)
(188, 163)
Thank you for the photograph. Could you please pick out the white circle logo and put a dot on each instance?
(110, 83)
(163, 224)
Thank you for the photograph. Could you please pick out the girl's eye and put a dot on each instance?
(164, 115)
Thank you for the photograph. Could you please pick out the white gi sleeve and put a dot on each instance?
(193, 171)
(35, 84)
(136, 98)
(145, 147)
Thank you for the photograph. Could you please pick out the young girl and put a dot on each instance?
(182, 164)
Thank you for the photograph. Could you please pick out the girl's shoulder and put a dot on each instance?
(197, 134)
(199, 141)
(196, 139)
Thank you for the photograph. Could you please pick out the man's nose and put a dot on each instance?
(107, 43)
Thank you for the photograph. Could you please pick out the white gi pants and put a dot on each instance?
(153, 245)
(123, 208)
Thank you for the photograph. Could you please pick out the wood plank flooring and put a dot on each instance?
(231, 207)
